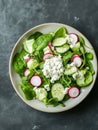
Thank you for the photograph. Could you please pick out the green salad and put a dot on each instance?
(53, 67)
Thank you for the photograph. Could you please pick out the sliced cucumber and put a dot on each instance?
(70, 70)
(63, 48)
(32, 64)
(28, 45)
(82, 82)
(58, 91)
(41, 94)
(59, 41)
(76, 47)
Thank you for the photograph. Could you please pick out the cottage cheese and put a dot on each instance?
(78, 74)
(47, 87)
(70, 40)
(53, 68)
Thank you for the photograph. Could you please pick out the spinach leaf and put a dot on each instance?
(42, 41)
(35, 35)
(81, 40)
(89, 56)
(19, 64)
(52, 101)
(91, 68)
(84, 58)
(28, 92)
(61, 32)
(67, 56)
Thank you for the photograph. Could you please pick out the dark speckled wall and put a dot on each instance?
(16, 17)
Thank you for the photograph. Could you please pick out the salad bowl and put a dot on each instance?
(75, 97)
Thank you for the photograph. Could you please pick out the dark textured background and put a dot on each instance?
(16, 17)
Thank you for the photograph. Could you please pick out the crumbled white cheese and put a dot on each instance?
(78, 74)
(66, 91)
(53, 68)
(70, 40)
(26, 56)
(47, 87)
(70, 65)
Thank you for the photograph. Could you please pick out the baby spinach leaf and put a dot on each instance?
(61, 32)
(28, 92)
(42, 41)
(19, 64)
(89, 55)
(35, 35)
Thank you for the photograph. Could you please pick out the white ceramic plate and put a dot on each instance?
(15, 79)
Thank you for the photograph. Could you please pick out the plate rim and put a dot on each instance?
(11, 57)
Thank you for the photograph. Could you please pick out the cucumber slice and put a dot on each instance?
(28, 45)
(76, 47)
(63, 48)
(70, 70)
(58, 91)
(32, 64)
(41, 94)
(59, 41)
(82, 82)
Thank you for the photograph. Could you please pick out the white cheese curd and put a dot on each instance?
(47, 87)
(70, 40)
(53, 68)
(66, 90)
(26, 56)
(70, 65)
(78, 74)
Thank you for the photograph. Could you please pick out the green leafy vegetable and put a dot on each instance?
(91, 68)
(89, 55)
(28, 91)
(35, 35)
(61, 32)
(67, 56)
(19, 64)
(42, 41)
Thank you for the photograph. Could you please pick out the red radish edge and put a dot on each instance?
(28, 59)
(39, 82)
(79, 59)
(45, 55)
(75, 55)
(75, 35)
(50, 46)
(26, 72)
(70, 89)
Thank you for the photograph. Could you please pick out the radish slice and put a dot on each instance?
(26, 72)
(36, 80)
(28, 59)
(77, 61)
(75, 55)
(74, 37)
(50, 46)
(73, 92)
(47, 56)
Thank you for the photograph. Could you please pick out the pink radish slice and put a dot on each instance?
(50, 46)
(47, 55)
(26, 72)
(73, 92)
(28, 59)
(36, 80)
(75, 55)
(77, 61)
(74, 36)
